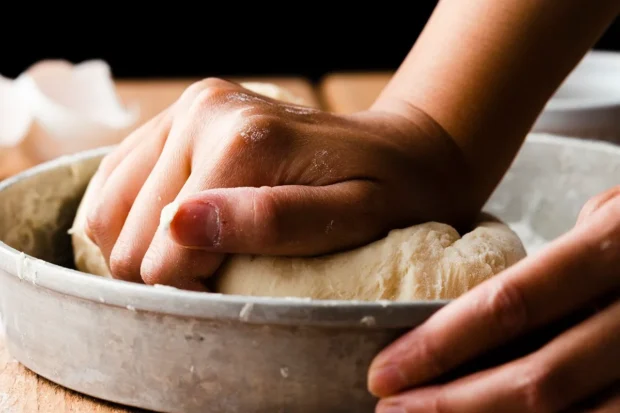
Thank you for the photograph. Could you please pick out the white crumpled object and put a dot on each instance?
(56, 107)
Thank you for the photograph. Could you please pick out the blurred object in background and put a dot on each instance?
(587, 104)
(56, 108)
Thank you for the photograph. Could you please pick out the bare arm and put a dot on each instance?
(483, 70)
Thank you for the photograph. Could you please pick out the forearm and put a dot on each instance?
(484, 70)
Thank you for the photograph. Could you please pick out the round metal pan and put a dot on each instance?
(169, 350)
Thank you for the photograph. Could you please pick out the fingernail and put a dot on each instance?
(391, 409)
(386, 380)
(197, 224)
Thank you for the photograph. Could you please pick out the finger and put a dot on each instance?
(135, 138)
(115, 157)
(596, 202)
(107, 218)
(167, 263)
(161, 187)
(283, 220)
(572, 271)
(253, 220)
(582, 361)
(168, 177)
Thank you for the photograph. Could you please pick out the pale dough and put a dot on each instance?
(421, 262)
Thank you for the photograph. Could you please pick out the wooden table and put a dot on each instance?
(352, 92)
(22, 391)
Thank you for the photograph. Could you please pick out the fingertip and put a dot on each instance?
(151, 267)
(383, 381)
(154, 270)
(165, 263)
(195, 224)
(597, 202)
(121, 263)
(390, 406)
(93, 223)
(87, 210)
(88, 232)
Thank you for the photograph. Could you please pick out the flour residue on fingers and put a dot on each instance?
(167, 215)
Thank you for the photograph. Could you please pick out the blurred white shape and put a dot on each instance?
(61, 108)
(587, 103)
(15, 114)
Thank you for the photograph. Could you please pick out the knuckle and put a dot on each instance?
(533, 389)
(107, 164)
(204, 92)
(611, 196)
(265, 220)
(613, 201)
(96, 225)
(211, 82)
(440, 403)
(209, 97)
(150, 272)
(435, 362)
(193, 90)
(506, 307)
(257, 127)
(373, 202)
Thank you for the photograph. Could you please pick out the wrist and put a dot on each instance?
(434, 154)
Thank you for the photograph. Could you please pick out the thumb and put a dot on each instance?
(282, 220)
(596, 202)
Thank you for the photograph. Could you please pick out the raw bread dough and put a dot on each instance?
(422, 262)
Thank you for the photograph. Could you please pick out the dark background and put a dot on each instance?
(179, 40)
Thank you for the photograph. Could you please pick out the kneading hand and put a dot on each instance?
(256, 175)
(577, 277)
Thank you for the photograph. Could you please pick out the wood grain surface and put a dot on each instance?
(22, 391)
(352, 92)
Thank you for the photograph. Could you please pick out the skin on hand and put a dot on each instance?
(580, 365)
(255, 175)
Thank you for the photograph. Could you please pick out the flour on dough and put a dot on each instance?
(422, 262)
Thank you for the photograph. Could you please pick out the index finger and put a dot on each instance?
(572, 271)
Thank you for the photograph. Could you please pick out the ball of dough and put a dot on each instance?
(88, 257)
(422, 262)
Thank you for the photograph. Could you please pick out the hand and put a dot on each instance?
(578, 369)
(254, 175)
